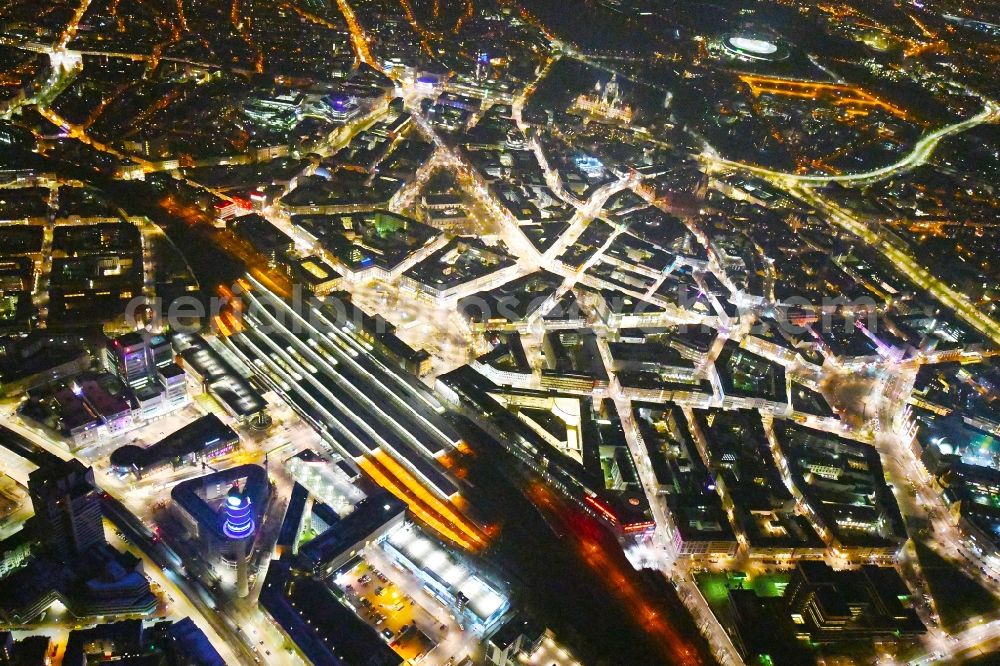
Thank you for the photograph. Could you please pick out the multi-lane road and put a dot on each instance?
(904, 262)
(802, 186)
(921, 152)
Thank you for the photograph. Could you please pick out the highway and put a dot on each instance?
(661, 554)
(906, 263)
(366, 412)
(373, 405)
(358, 37)
(597, 548)
(803, 187)
(922, 151)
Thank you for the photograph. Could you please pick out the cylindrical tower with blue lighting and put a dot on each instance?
(239, 515)
(239, 526)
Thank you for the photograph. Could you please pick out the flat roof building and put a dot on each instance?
(205, 438)
(218, 377)
(372, 517)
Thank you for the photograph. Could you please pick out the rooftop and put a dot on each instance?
(462, 260)
(365, 240)
(207, 431)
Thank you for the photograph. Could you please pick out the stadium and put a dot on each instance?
(750, 46)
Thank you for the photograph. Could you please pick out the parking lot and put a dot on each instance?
(382, 604)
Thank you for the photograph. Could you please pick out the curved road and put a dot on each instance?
(921, 152)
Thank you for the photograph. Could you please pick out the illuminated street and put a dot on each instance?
(475, 332)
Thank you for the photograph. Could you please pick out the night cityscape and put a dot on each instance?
(499, 332)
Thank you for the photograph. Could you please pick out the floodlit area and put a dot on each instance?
(448, 577)
(405, 604)
(437, 329)
(428, 604)
(15, 507)
(753, 45)
(326, 483)
(385, 607)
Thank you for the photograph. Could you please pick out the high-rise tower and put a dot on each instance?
(67, 507)
(240, 527)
